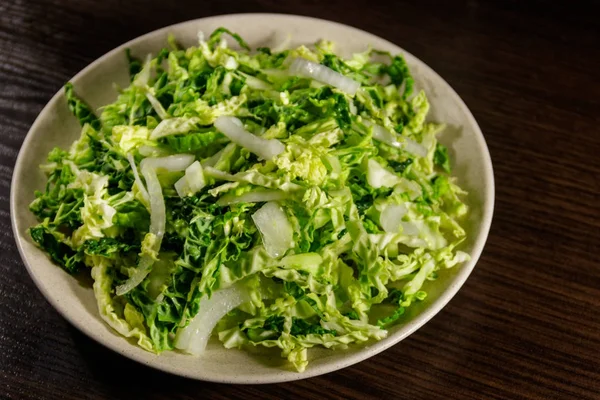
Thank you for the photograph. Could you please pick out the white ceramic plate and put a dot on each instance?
(56, 127)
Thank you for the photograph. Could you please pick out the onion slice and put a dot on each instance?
(194, 337)
(157, 228)
(157, 212)
(323, 74)
(275, 229)
(137, 179)
(391, 220)
(233, 128)
(378, 176)
(192, 182)
(391, 217)
(139, 275)
(160, 111)
(152, 151)
(157, 202)
(177, 162)
(383, 135)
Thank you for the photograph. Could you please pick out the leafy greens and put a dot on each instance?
(280, 206)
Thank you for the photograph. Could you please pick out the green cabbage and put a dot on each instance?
(367, 221)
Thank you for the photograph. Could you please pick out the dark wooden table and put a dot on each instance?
(526, 323)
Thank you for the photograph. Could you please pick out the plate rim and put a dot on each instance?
(277, 376)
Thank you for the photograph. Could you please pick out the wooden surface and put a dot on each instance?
(527, 322)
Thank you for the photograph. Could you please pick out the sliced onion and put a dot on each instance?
(321, 73)
(157, 203)
(385, 136)
(173, 126)
(139, 275)
(143, 77)
(256, 83)
(275, 229)
(378, 176)
(391, 217)
(194, 337)
(177, 162)
(382, 134)
(352, 108)
(195, 176)
(231, 63)
(233, 129)
(282, 45)
(413, 147)
(192, 181)
(157, 106)
(137, 179)
(411, 187)
(225, 83)
(435, 240)
(141, 81)
(257, 196)
(152, 151)
(408, 228)
(391, 220)
(157, 212)
(157, 228)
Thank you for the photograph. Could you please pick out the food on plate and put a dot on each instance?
(267, 197)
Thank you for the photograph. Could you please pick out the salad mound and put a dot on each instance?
(269, 197)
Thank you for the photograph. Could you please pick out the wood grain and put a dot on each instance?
(525, 325)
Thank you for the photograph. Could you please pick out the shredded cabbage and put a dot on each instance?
(265, 198)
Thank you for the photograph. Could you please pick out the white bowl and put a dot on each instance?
(75, 301)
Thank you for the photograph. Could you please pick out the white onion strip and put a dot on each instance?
(391, 217)
(137, 179)
(321, 73)
(141, 81)
(194, 337)
(378, 176)
(192, 181)
(177, 162)
(143, 77)
(383, 135)
(275, 229)
(157, 228)
(391, 220)
(140, 274)
(152, 151)
(160, 111)
(157, 212)
(264, 148)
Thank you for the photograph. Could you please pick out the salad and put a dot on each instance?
(268, 197)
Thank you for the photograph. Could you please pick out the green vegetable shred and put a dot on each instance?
(284, 199)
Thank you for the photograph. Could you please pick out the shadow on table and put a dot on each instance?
(129, 379)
